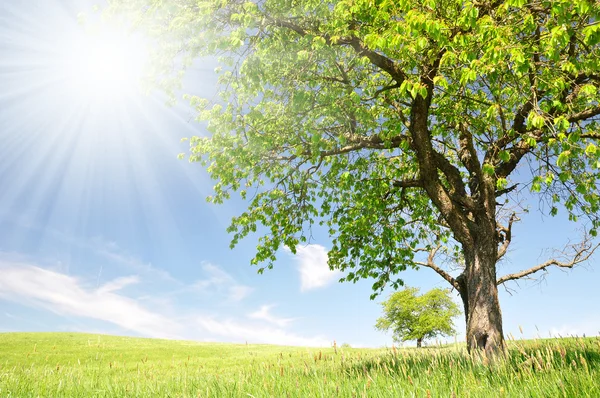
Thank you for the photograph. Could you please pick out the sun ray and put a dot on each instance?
(84, 150)
(76, 90)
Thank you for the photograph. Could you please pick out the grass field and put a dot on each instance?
(85, 365)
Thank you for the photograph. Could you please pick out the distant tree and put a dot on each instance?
(413, 317)
(402, 126)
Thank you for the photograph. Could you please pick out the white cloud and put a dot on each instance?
(67, 295)
(220, 281)
(235, 331)
(239, 292)
(313, 268)
(79, 300)
(264, 313)
(118, 284)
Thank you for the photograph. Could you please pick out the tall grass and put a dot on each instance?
(82, 365)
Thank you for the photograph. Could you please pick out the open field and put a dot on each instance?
(85, 365)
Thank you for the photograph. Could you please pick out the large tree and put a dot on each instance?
(403, 126)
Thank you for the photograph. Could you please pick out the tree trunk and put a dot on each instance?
(479, 293)
(419, 342)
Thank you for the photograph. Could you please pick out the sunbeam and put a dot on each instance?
(83, 149)
(74, 138)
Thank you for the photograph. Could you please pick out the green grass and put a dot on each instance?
(84, 365)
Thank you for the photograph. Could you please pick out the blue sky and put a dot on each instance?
(102, 229)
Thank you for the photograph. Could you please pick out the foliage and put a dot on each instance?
(399, 126)
(54, 365)
(394, 124)
(417, 317)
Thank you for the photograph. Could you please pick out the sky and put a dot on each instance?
(104, 230)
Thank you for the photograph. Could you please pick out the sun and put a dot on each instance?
(102, 63)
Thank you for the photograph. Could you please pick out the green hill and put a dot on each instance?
(86, 365)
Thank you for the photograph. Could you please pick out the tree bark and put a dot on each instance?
(479, 294)
(419, 342)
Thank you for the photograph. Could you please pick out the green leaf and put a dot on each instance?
(489, 169)
(405, 87)
(563, 158)
(501, 183)
(440, 81)
(536, 120)
(531, 141)
(588, 90)
(303, 55)
(315, 140)
(591, 150)
(414, 90)
(574, 137)
(536, 185)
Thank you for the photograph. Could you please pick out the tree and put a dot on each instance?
(402, 126)
(414, 317)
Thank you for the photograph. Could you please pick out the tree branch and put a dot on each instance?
(467, 153)
(521, 148)
(407, 183)
(358, 143)
(517, 152)
(583, 115)
(431, 162)
(583, 252)
(506, 235)
(441, 272)
(384, 63)
(376, 59)
(457, 185)
(382, 90)
(506, 190)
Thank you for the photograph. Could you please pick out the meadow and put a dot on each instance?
(85, 365)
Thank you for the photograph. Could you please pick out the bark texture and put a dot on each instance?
(480, 298)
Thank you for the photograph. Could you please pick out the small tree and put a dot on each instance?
(414, 317)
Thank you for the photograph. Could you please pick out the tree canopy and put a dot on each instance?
(411, 316)
(401, 126)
